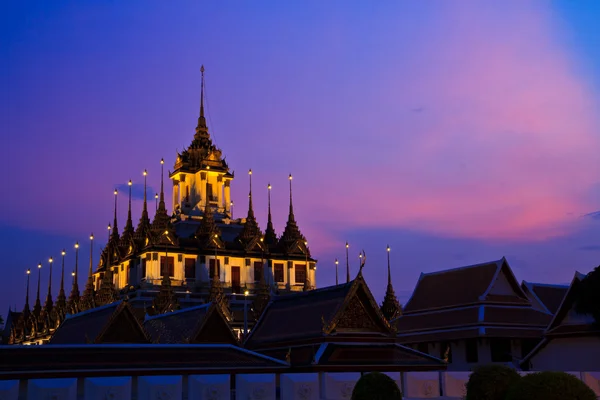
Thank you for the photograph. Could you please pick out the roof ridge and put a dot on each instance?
(496, 262)
(552, 285)
(295, 295)
(167, 314)
(92, 310)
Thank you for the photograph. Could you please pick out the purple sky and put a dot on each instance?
(456, 132)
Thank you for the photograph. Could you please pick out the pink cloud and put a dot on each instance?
(506, 144)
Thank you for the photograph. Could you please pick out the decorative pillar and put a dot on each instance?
(227, 195)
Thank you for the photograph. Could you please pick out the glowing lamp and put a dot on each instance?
(246, 293)
(130, 183)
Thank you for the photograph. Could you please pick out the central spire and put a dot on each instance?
(390, 308)
(202, 129)
(128, 231)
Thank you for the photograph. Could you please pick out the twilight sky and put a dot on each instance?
(457, 132)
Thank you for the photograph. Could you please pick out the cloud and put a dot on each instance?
(507, 103)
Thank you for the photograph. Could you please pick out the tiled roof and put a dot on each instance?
(437, 320)
(452, 287)
(85, 326)
(177, 326)
(374, 354)
(93, 325)
(516, 316)
(550, 295)
(439, 336)
(296, 315)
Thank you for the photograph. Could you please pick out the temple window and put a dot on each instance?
(190, 268)
(278, 272)
(257, 270)
(300, 273)
(168, 267)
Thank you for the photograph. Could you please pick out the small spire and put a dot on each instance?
(128, 231)
(144, 224)
(87, 299)
(61, 299)
(115, 230)
(251, 229)
(26, 308)
(291, 236)
(161, 218)
(49, 304)
(37, 307)
(73, 303)
(390, 308)
(270, 235)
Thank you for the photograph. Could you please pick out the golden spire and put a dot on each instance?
(201, 128)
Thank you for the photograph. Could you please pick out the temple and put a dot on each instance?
(196, 254)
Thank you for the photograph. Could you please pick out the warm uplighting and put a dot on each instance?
(269, 186)
(39, 265)
(208, 167)
(116, 192)
(162, 161)
(336, 261)
(145, 172)
(347, 245)
(72, 273)
(290, 177)
(250, 172)
(156, 195)
(50, 260)
(130, 183)
(246, 293)
(28, 271)
(166, 232)
(262, 239)
(76, 245)
(109, 228)
(216, 236)
(92, 236)
(388, 248)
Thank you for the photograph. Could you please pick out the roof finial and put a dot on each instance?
(336, 271)
(129, 225)
(389, 270)
(250, 209)
(162, 174)
(201, 120)
(37, 307)
(390, 308)
(145, 203)
(291, 204)
(48, 305)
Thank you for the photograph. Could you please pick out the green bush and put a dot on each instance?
(550, 386)
(376, 386)
(491, 382)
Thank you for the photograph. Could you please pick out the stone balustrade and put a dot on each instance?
(268, 386)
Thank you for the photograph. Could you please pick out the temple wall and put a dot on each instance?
(568, 354)
(285, 386)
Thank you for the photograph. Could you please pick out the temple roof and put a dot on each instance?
(112, 323)
(480, 300)
(549, 296)
(187, 325)
(294, 317)
(463, 286)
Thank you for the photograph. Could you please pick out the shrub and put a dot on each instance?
(376, 386)
(490, 382)
(550, 386)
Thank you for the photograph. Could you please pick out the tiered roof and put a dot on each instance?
(482, 300)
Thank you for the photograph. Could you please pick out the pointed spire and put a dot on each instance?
(201, 128)
(390, 308)
(251, 229)
(115, 230)
(144, 225)
(26, 308)
(270, 235)
(49, 304)
(61, 299)
(73, 303)
(37, 307)
(161, 218)
(87, 300)
(128, 231)
(291, 235)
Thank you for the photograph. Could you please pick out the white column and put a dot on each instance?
(227, 195)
